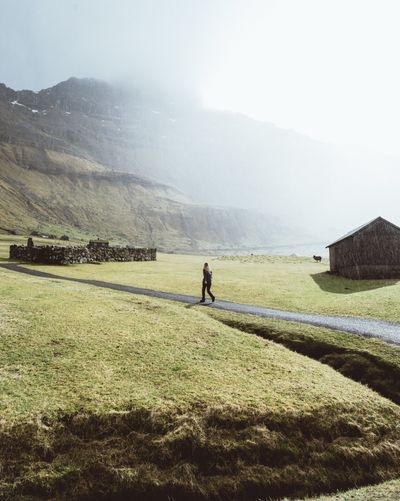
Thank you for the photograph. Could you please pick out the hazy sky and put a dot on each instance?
(328, 68)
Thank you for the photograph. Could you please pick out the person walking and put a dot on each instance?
(207, 276)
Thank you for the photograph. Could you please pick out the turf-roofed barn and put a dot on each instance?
(370, 251)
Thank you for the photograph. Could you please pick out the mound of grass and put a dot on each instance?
(288, 283)
(387, 491)
(106, 395)
(368, 361)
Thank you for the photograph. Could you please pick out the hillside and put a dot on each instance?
(66, 165)
(215, 158)
(52, 191)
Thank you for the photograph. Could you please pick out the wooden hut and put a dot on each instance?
(370, 251)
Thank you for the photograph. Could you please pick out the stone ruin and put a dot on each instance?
(96, 251)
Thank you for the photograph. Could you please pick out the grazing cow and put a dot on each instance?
(317, 259)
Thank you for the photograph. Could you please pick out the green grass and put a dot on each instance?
(387, 491)
(366, 360)
(289, 283)
(109, 394)
(216, 388)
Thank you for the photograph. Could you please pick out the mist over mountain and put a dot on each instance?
(211, 157)
(85, 156)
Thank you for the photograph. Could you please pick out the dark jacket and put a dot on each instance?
(207, 275)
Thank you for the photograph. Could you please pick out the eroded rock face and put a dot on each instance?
(53, 254)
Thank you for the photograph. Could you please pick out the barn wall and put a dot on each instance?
(373, 253)
(371, 272)
(332, 259)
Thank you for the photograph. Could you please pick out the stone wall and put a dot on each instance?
(52, 254)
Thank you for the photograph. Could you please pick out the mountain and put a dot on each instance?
(70, 161)
(214, 158)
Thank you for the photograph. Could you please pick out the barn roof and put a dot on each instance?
(361, 228)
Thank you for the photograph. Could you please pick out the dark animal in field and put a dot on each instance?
(317, 259)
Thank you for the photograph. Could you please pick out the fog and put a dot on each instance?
(170, 44)
(324, 69)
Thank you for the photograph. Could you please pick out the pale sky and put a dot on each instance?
(327, 68)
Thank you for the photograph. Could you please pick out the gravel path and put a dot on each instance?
(387, 331)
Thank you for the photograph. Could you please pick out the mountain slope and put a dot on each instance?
(45, 189)
(215, 158)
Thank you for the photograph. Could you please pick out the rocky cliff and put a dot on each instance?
(71, 157)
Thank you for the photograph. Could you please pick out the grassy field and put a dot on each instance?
(290, 283)
(108, 394)
(369, 361)
(387, 491)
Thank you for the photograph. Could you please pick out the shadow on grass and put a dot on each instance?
(198, 303)
(358, 364)
(340, 285)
